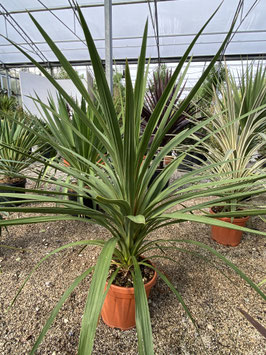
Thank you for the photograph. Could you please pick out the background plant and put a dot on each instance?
(7, 105)
(63, 130)
(16, 143)
(119, 94)
(156, 86)
(235, 138)
(211, 84)
(249, 92)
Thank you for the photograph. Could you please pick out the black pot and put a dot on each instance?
(189, 161)
(49, 152)
(154, 176)
(16, 183)
(87, 201)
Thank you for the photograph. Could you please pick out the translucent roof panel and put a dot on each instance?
(178, 21)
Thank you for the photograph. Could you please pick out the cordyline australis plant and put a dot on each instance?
(235, 139)
(249, 92)
(129, 209)
(156, 87)
(65, 128)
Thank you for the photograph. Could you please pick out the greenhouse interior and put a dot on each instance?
(132, 177)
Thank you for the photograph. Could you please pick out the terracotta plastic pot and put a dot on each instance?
(119, 306)
(167, 160)
(66, 163)
(227, 236)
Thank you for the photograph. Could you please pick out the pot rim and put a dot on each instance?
(228, 219)
(20, 180)
(123, 289)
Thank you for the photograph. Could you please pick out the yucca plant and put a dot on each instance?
(131, 211)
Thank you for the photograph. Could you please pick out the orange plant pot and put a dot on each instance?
(66, 163)
(227, 236)
(167, 160)
(119, 306)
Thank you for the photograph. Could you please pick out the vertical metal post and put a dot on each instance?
(89, 83)
(108, 43)
(8, 84)
(1, 82)
(51, 71)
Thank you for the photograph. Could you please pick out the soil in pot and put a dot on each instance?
(118, 310)
(227, 236)
(13, 182)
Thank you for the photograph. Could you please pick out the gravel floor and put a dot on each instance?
(211, 297)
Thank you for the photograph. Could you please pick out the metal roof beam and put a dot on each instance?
(229, 57)
(125, 2)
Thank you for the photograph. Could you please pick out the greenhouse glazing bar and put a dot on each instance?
(230, 57)
(108, 43)
(50, 8)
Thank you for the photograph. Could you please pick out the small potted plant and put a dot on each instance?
(235, 137)
(16, 143)
(63, 130)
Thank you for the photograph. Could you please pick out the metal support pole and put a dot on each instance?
(8, 84)
(1, 83)
(108, 43)
(89, 83)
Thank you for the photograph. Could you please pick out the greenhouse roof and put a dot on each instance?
(172, 25)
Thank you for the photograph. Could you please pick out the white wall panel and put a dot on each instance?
(32, 85)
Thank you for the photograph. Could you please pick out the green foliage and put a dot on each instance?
(62, 74)
(16, 143)
(212, 84)
(63, 129)
(119, 94)
(249, 92)
(156, 86)
(131, 207)
(7, 105)
(236, 136)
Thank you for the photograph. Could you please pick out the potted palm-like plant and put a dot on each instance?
(131, 210)
(62, 131)
(236, 135)
(16, 143)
